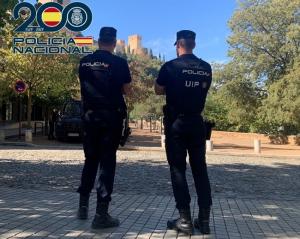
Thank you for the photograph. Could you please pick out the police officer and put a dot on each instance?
(104, 78)
(185, 82)
(52, 124)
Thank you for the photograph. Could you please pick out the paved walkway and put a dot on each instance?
(254, 197)
(38, 214)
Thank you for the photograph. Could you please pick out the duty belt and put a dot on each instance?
(170, 110)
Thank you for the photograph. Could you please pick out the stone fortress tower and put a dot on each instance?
(134, 46)
(120, 46)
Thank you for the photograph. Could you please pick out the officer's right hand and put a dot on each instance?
(127, 89)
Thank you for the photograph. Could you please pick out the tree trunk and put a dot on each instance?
(29, 108)
(46, 119)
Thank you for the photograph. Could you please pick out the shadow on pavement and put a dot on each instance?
(244, 200)
(39, 214)
(152, 177)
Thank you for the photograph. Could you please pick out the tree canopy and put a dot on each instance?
(258, 89)
(46, 76)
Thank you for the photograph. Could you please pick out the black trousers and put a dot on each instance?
(51, 130)
(100, 143)
(186, 134)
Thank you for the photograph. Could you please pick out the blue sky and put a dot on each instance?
(159, 20)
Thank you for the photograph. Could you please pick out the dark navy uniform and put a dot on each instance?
(186, 81)
(102, 76)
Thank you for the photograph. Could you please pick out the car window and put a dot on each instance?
(72, 109)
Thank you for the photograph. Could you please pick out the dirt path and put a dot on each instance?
(227, 143)
(224, 142)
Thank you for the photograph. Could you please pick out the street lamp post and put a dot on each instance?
(20, 88)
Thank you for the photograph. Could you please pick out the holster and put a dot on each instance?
(170, 114)
(209, 125)
(126, 130)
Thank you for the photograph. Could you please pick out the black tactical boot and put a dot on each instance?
(183, 223)
(83, 209)
(202, 222)
(102, 219)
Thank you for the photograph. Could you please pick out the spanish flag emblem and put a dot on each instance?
(81, 41)
(51, 16)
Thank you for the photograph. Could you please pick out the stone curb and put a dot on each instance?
(138, 148)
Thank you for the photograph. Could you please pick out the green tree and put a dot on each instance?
(46, 76)
(151, 106)
(144, 71)
(151, 53)
(265, 37)
(216, 111)
(233, 99)
(282, 105)
(257, 86)
(6, 8)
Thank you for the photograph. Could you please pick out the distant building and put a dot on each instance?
(134, 46)
(121, 46)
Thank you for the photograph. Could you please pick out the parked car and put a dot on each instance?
(69, 121)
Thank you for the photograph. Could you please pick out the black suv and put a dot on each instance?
(69, 121)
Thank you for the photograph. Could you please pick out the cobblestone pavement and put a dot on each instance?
(254, 197)
(37, 214)
(148, 173)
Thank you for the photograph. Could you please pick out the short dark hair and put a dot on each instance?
(188, 44)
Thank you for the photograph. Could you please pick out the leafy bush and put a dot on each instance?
(297, 139)
(279, 139)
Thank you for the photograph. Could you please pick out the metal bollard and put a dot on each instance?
(209, 145)
(257, 146)
(163, 141)
(2, 135)
(28, 135)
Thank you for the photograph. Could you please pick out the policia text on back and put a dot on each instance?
(104, 79)
(185, 81)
